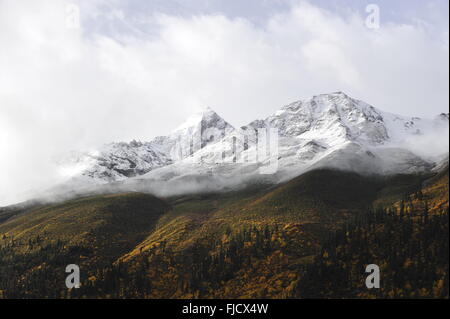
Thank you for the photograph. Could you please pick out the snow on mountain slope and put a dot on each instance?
(327, 130)
(116, 161)
(339, 118)
(119, 161)
(201, 129)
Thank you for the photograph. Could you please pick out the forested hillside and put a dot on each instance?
(309, 238)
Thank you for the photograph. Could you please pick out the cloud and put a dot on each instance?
(65, 88)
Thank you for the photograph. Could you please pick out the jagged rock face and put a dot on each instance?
(119, 161)
(329, 129)
(201, 129)
(335, 115)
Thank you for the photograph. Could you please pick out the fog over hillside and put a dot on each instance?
(80, 74)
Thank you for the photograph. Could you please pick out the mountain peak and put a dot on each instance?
(309, 130)
(333, 116)
(205, 117)
(337, 93)
(205, 109)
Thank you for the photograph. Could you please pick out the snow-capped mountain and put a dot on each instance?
(327, 130)
(116, 161)
(339, 118)
(120, 161)
(203, 128)
(336, 117)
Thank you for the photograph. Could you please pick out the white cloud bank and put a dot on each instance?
(63, 88)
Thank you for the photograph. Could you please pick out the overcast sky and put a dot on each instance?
(136, 69)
